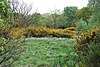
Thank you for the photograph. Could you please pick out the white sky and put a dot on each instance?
(45, 6)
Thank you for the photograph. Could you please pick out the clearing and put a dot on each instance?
(48, 52)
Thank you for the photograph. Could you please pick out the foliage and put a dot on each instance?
(81, 26)
(51, 20)
(3, 9)
(94, 54)
(94, 3)
(85, 13)
(89, 36)
(97, 31)
(4, 31)
(60, 22)
(88, 44)
(9, 51)
(69, 13)
(49, 52)
(19, 13)
(96, 14)
(55, 20)
(1, 22)
(89, 54)
(38, 20)
(41, 32)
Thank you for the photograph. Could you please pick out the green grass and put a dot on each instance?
(52, 52)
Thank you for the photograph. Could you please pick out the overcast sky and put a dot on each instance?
(44, 6)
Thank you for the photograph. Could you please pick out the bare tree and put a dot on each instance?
(20, 13)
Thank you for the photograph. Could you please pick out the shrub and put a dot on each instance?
(89, 36)
(10, 50)
(94, 54)
(97, 31)
(88, 47)
(17, 32)
(4, 32)
(1, 23)
(41, 32)
(90, 55)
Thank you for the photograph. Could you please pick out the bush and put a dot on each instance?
(1, 23)
(88, 47)
(9, 51)
(97, 31)
(40, 32)
(90, 55)
(4, 32)
(94, 54)
(17, 32)
(82, 26)
(89, 36)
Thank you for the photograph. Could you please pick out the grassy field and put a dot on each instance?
(52, 52)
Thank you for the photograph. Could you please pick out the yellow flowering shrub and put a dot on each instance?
(97, 32)
(17, 32)
(88, 47)
(40, 32)
(62, 32)
(89, 36)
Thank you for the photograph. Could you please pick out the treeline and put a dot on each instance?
(16, 14)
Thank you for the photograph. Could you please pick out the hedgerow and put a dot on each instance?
(39, 32)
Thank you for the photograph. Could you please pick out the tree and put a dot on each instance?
(54, 16)
(61, 22)
(20, 13)
(96, 7)
(94, 3)
(85, 13)
(3, 9)
(4, 12)
(55, 19)
(69, 13)
(38, 20)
